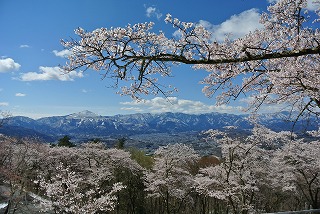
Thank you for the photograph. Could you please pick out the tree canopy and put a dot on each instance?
(65, 141)
(277, 64)
(265, 172)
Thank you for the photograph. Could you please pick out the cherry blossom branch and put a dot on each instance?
(283, 58)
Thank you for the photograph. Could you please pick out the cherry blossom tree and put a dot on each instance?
(170, 178)
(19, 161)
(298, 167)
(83, 180)
(277, 64)
(237, 179)
(73, 192)
(246, 179)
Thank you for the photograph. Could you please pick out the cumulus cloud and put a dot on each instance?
(4, 104)
(50, 73)
(313, 5)
(153, 12)
(24, 46)
(135, 109)
(236, 26)
(264, 108)
(177, 34)
(173, 104)
(20, 95)
(8, 64)
(63, 53)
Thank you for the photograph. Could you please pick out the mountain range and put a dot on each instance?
(88, 125)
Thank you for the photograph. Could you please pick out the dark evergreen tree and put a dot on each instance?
(65, 141)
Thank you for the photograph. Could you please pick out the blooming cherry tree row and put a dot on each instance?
(264, 172)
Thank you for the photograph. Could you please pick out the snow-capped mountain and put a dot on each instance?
(87, 124)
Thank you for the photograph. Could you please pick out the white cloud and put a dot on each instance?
(63, 53)
(177, 34)
(134, 109)
(24, 46)
(313, 5)
(152, 11)
(51, 73)
(247, 100)
(20, 95)
(4, 104)
(173, 104)
(8, 64)
(265, 107)
(236, 26)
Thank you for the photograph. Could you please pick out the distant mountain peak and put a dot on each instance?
(89, 125)
(84, 114)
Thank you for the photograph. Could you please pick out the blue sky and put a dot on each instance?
(30, 52)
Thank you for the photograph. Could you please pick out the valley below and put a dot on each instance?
(144, 131)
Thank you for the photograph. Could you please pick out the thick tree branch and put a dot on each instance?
(263, 56)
